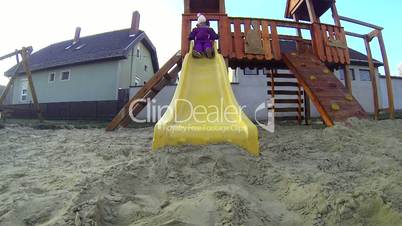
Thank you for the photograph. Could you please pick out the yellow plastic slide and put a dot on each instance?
(204, 109)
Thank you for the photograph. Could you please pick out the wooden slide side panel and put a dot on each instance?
(328, 94)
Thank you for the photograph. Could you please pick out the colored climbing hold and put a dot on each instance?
(293, 54)
(349, 97)
(313, 78)
(335, 107)
(326, 71)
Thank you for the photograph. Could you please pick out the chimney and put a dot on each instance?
(135, 23)
(77, 35)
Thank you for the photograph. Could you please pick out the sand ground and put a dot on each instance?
(307, 175)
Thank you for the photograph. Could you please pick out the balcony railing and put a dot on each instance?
(327, 41)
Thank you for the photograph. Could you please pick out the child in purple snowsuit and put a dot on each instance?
(203, 36)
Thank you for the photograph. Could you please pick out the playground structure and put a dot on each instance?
(24, 52)
(256, 43)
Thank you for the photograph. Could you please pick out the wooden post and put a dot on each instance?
(186, 29)
(335, 15)
(222, 8)
(6, 90)
(186, 6)
(273, 74)
(348, 78)
(387, 76)
(25, 64)
(373, 78)
(298, 33)
(224, 36)
(311, 12)
(299, 104)
(307, 113)
(307, 108)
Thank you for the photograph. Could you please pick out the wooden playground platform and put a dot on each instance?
(320, 49)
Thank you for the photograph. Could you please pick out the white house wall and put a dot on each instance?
(132, 70)
(251, 91)
(397, 90)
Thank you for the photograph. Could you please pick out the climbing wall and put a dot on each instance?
(329, 95)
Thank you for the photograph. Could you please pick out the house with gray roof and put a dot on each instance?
(87, 77)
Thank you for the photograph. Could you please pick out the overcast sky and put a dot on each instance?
(42, 22)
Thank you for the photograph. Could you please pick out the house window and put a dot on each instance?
(52, 77)
(248, 71)
(138, 53)
(364, 75)
(342, 74)
(65, 75)
(145, 67)
(24, 94)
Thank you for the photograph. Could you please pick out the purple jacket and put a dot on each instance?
(203, 34)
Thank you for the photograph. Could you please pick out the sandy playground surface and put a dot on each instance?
(347, 175)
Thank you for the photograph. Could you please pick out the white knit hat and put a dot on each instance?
(201, 18)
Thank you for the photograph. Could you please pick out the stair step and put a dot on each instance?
(282, 75)
(288, 118)
(288, 109)
(276, 83)
(285, 92)
(288, 101)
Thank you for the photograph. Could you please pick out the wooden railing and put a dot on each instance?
(328, 42)
(271, 37)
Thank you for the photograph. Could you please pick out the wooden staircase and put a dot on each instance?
(329, 95)
(163, 77)
(288, 94)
